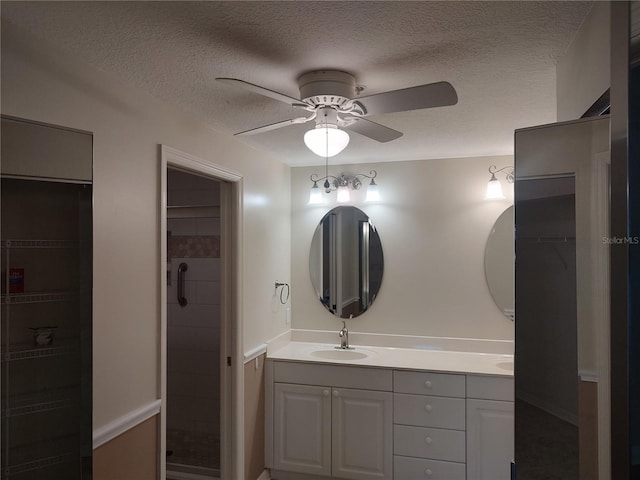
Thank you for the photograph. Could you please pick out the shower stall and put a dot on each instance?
(46, 334)
(193, 327)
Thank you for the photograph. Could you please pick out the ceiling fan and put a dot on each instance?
(332, 98)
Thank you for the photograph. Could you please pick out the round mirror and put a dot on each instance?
(346, 262)
(499, 258)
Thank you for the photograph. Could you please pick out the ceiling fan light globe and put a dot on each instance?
(326, 141)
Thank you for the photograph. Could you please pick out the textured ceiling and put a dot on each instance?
(499, 56)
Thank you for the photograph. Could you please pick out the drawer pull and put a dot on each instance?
(428, 408)
(428, 384)
(325, 392)
(428, 472)
(428, 440)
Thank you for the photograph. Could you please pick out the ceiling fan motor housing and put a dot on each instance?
(327, 88)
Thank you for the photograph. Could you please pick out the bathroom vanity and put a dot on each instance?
(388, 413)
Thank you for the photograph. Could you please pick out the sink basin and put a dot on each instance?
(339, 354)
(505, 365)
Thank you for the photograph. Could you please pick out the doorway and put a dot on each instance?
(546, 366)
(194, 318)
(199, 436)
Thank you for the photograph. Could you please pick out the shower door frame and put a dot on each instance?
(232, 395)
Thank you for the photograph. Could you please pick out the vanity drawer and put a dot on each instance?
(425, 411)
(409, 468)
(490, 388)
(426, 383)
(333, 375)
(433, 443)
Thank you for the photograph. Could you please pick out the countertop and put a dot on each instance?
(400, 358)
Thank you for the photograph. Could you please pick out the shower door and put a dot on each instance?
(46, 302)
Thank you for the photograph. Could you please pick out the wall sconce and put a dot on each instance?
(343, 184)
(494, 187)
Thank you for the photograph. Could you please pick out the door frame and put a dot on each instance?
(231, 379)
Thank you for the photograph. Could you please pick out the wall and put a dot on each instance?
(44, 84)
(583, 72)
(131, 456)
(433, 223)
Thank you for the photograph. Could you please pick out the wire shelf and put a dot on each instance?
(41, 402)
(42, 454)
(40, 463)
(26, 352)
(39, 243)
(41, 297)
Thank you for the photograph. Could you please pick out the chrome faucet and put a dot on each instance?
(344, 336)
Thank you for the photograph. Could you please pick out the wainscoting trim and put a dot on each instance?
(255, 352)
(588, 376)
(120, 425)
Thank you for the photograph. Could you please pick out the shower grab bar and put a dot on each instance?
(182, 300)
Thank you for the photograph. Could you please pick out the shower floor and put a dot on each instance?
(193, 448)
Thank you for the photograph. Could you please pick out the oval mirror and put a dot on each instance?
(346, 262)
(499, 263)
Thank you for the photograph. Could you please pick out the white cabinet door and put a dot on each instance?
(302, 428)
(489, 439)
(362, 434)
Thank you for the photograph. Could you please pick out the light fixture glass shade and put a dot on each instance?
(315, 195)
(343, 194)
(494, 189)
(373, 194)
(326, 140)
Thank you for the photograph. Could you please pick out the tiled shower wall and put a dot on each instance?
(193, 331)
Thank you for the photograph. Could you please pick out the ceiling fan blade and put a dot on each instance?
(263, 91)
(374, 130)
(274, 126)
(439, 94)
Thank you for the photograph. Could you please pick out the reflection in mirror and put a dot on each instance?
(346, 262)
(499, 263)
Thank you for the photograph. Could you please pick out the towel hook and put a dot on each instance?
(283, 300)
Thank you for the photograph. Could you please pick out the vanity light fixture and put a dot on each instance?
(344, 184)
(494, 187)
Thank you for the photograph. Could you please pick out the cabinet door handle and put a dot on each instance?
(325, 392)
(182, 300)
(428, 408)
(428, 440)
(336, 393)
(428, 384)
(428, 472)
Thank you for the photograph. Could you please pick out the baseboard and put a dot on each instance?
(120, 425)
(264, 475)
(549, 407)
